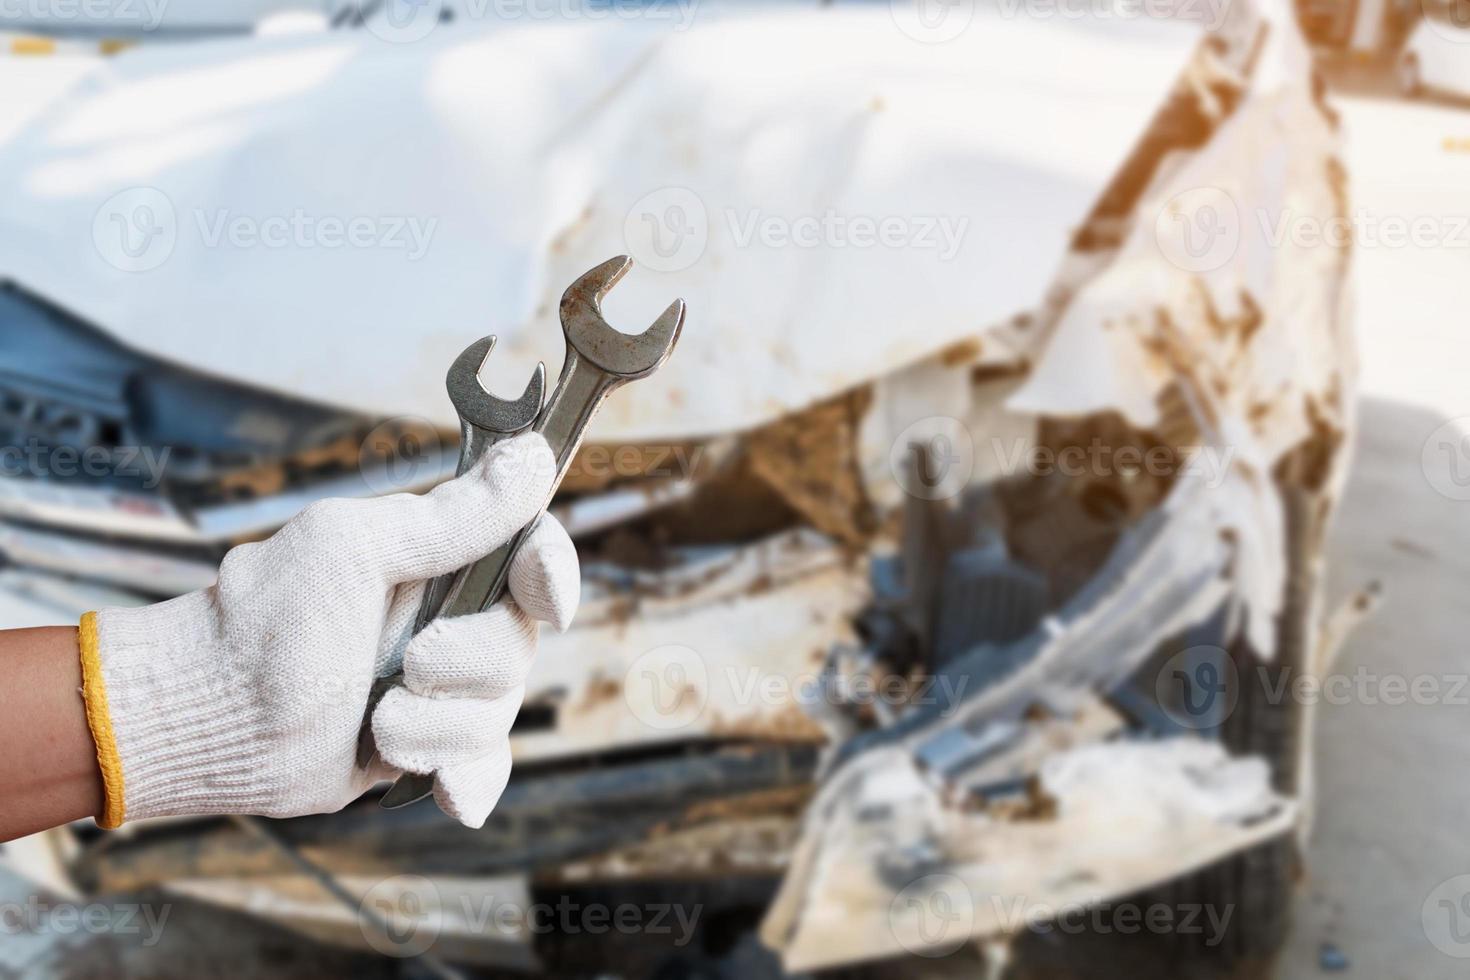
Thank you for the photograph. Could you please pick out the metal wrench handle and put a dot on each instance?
(473, 443)
(484, 420)
(578, 395)
(437, 588)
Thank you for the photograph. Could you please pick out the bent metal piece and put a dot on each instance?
(599, 359)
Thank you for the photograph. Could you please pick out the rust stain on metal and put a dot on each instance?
(787, 800)
(962, 352)
(788, 723)
(600, 690)
(810, 460)
(758, 845)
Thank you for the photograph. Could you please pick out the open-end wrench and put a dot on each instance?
(484, 419)
(599, 359)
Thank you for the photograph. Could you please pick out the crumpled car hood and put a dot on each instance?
(527, 154)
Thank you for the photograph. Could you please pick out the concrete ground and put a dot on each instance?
(1390, 834)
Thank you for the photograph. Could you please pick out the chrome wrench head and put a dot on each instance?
(482, 409)
(627, 356)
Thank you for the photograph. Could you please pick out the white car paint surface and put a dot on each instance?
(492, 164)
(1441, 49)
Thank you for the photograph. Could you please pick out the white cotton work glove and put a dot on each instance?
(247, 697)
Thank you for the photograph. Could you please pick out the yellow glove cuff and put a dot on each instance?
(99, 720)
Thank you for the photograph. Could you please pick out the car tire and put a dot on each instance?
(1256, 887)
(1259, 884)
(1410, 78)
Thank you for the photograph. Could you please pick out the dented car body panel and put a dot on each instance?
(514, 198)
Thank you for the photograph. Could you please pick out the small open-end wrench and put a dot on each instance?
(484, 419)
(599, 359)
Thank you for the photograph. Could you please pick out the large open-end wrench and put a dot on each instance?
(484, 419)
(599, 359)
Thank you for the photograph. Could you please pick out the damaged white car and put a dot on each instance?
(944, 579)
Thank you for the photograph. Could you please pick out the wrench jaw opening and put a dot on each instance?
(480, 408)
(628, 356)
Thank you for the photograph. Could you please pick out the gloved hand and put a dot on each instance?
(247, 697)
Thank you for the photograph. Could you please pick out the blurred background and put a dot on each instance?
(1041, 556)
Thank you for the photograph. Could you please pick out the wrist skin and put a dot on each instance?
(49, 769)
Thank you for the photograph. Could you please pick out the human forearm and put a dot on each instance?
(48, 762)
